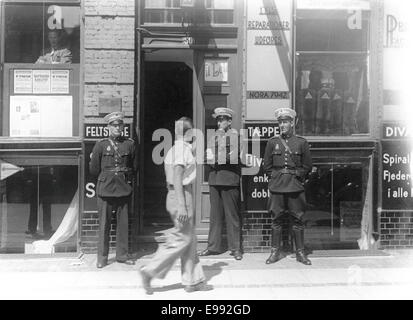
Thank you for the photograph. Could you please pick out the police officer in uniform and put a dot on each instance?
(287, 160)
(114, 162)
(223, 156)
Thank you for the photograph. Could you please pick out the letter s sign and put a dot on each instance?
(90, 190)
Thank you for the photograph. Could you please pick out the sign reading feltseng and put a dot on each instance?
(268, 48)
(100, 131)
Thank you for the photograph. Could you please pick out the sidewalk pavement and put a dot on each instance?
(374, 277)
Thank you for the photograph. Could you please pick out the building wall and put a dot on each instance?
(108, 64)
(396, 230)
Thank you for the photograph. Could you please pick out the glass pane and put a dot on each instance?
(222, 17)
(332, 30)
(334, 195)
(154, 16)
(220, 4)
(46, 31)
(332, 94)
(34, 202)
(155, 3)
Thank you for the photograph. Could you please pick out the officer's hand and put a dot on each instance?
(182, 214)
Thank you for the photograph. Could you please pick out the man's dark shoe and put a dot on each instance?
(237, 254)
(146, 281)
(301, 257)
(128, 262)
(202, 286)
(101, 264)
(208, 252)
(274, 256)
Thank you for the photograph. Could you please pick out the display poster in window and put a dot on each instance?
(23, 81)
(35, 116)
(216, 70)
(269, 48)
(59, 81)
(41, 81)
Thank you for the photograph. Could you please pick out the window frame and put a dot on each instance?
(368, 54)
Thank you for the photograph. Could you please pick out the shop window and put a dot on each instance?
(332, 92)
(335, 196)
(44, 33)
(202, 12)
(35, 200)
(163, 11)
(220, 11)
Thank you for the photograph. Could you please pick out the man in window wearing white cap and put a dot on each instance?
(287, 160)
(223, 156)
(114, 162)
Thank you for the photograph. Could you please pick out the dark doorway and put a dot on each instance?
(167, 97)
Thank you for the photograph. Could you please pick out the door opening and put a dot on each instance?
(167, 97)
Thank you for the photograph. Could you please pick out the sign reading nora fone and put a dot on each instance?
(268, 48)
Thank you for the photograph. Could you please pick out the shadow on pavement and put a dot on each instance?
(213, 270)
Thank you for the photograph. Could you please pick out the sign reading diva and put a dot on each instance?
(397, 166)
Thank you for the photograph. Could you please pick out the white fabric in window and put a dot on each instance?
(66, 229)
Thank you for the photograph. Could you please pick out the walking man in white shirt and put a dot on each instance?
(180, 170)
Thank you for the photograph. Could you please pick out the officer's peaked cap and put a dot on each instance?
(114, 116)
(223, 112)
(283, 113)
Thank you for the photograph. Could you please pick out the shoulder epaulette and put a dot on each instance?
(273, 137)
(103, 139)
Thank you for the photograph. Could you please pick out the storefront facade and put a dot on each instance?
(158, 60)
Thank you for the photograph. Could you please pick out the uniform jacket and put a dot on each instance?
(226, 167)
(287, 171)
(115, 170)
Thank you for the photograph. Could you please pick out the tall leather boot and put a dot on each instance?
(299, 244)
(275, 246)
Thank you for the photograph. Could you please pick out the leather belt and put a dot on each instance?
(288, 171)
(171, 187)
(117, 169)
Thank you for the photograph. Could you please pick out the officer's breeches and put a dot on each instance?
(224, 204)
(105, 207)
(292, 203)
(181, 243)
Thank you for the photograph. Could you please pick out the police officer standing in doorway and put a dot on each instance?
(223, 156)
(114, 162)
(287, 160)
